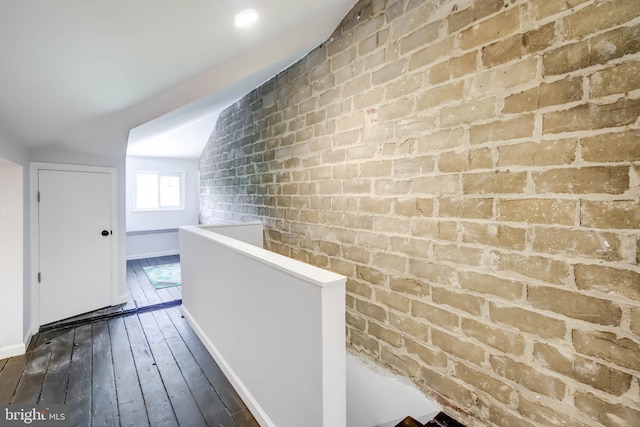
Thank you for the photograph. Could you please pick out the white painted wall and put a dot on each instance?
(155, 233)
(12, 331)
(274, 325)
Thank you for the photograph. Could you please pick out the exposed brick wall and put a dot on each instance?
(473, 168)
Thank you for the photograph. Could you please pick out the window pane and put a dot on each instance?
(146, 191)
(170, 191)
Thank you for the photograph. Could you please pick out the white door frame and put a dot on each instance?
(34, 169)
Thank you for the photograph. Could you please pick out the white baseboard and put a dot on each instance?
(152, 255)
(12, 350)
(228, 371)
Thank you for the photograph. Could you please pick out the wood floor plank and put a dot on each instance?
(223, 387)
(139, 298)
(56, 380)
(130, 401)
(152, 295)
(162, 294)
(30, 386)
(79, 390)
(214, 411)
(104, 411)
(3, 362)
(157, 401)
(10, 377)
(184, 405)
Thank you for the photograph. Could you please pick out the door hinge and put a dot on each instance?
(38, 197)
(39, 277)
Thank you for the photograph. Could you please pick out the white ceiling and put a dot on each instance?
(82, 74)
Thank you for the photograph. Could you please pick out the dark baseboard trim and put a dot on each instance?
(137, 310)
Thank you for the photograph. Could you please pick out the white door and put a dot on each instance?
(74, 216)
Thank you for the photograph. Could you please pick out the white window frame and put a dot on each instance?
(134, 193)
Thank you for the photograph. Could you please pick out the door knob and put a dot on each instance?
(105, 233)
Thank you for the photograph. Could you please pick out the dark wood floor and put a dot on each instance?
(142, 369)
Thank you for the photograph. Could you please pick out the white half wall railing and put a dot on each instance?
(276, 326)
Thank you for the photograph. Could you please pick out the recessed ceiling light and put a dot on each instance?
(246, 18)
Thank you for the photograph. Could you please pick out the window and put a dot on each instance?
(159, 190)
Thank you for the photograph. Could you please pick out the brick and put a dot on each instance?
(429, 356)
(492, 29)
(408, 22)
(542, 415)
(620, 78)
(512, 290)
(503, 130)
(494, 182)
(481, 381)
(586, 371)
(501, 79)
(443, 230)
(401, 363)
(618, 214)
(458, 254)
(440, 95)
(393, 263)
(355, 321)
(609, 414)
(466, 207)
(371, 310)
(547, 94)
(494, 235)
(506, 418)
(635, 321)
(609, 347)
(388, 72)
(453, 68)
(364, 342)
(414, 165)
(437, 184)
(434, 315)
(591, 244)
(527, 376)
(594, 51)
(518, 46)
(455, 346)
(436, 273)
(465, 161)
(404, 86)
(449, 138)
(420, 37)
(592, 116)
(610, 280)
(498, 338)
(544, 153)
(587, 180)
(476, 12)
(575, 305)
(409, 326)
(469, 303)
(409, 286)
(529, 321)
(355, 287)
(393, 300)
(599, 16)
(612, 147)
(447, 387)
(544, 8)
(431, 54)
(399, 109)
(385, 334)
(537, 211)
(467, 112)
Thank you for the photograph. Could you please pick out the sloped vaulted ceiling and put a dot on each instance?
(83, 73)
